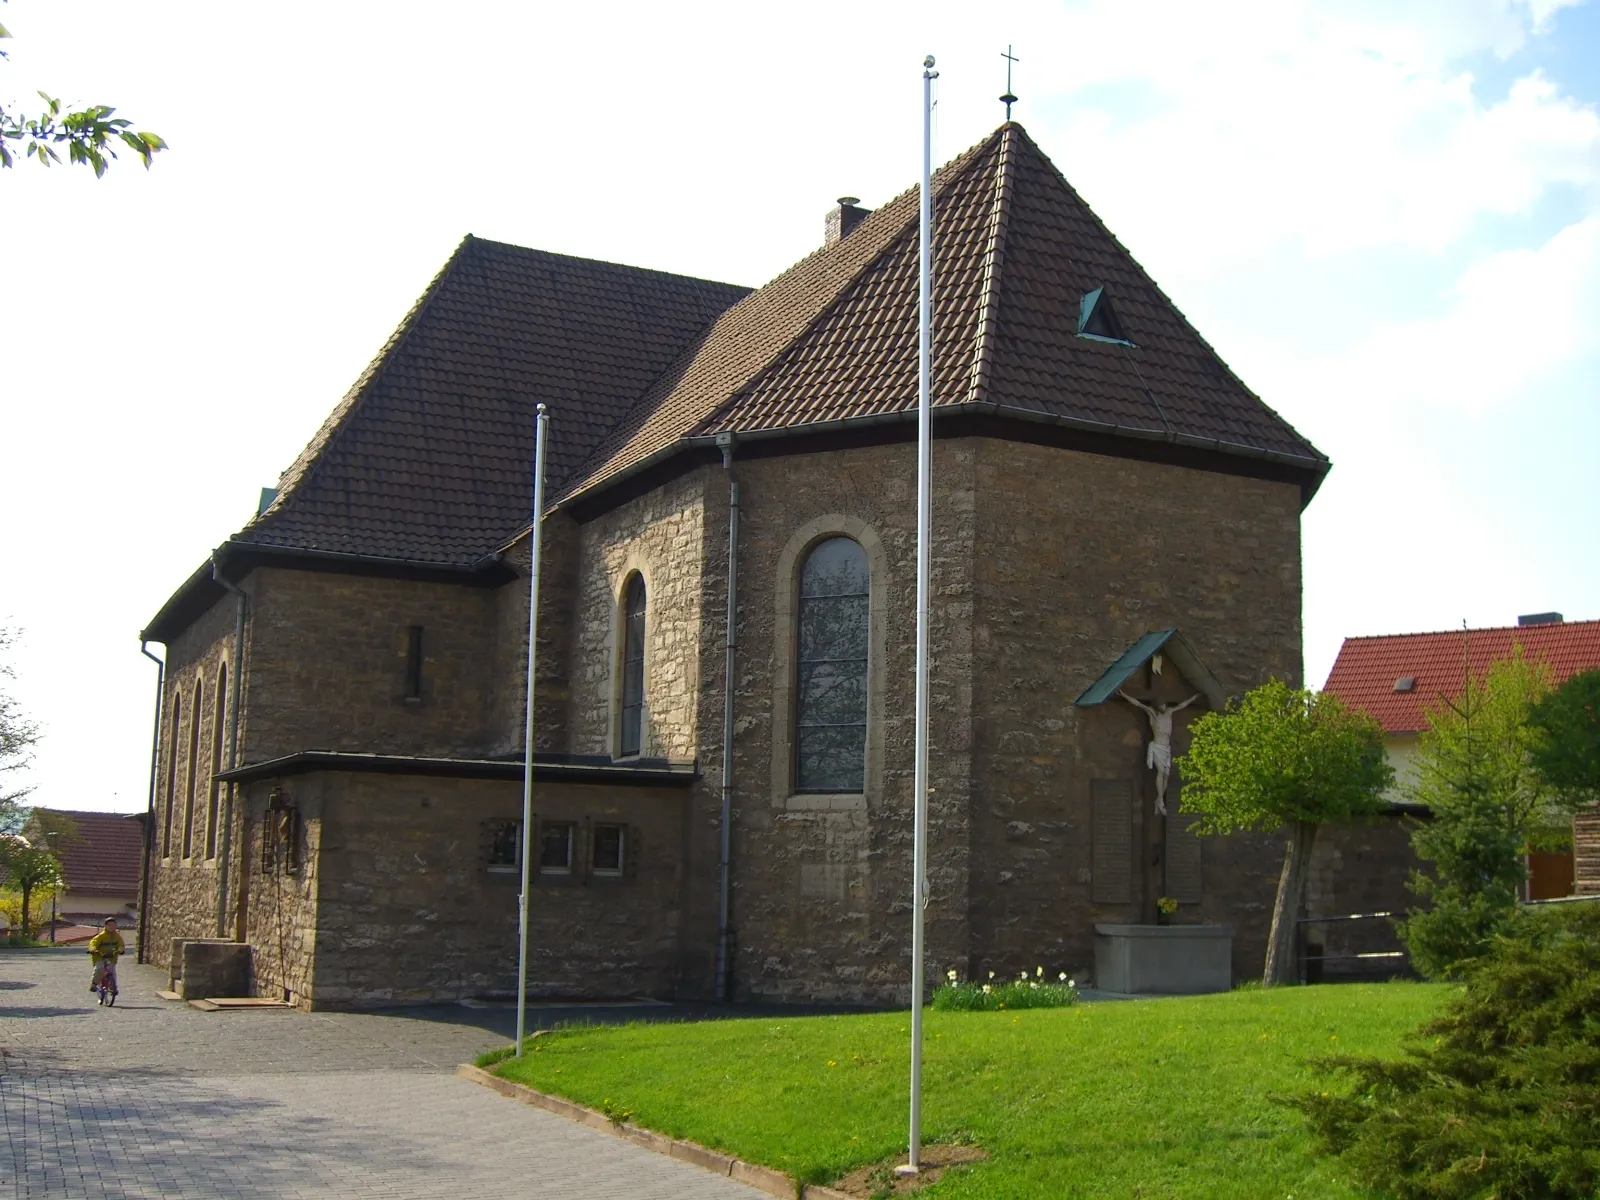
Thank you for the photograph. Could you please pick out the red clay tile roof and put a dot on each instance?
(1365, 673)
(106, 862)
(427, 458)
(833, 338)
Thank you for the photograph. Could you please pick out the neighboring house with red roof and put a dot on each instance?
(1399, 678)
(342, 721)
(101, 865)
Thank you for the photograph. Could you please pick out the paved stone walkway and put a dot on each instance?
(156, 1099)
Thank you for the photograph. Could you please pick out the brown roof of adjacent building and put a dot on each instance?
(427, 459)
(1399, 677)
(833, 339)
(105, 862)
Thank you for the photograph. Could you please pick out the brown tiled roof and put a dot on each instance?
(834, 338)
(428, 458)
(106, 861)
(1368, 668)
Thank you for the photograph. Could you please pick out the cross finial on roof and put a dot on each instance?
(1008, 99)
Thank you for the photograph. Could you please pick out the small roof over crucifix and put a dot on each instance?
(1008, 99)
(1175, 647)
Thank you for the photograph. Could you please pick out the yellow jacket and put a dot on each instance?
(106, 945)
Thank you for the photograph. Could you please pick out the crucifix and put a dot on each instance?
(1008, 99)
(1158, 755)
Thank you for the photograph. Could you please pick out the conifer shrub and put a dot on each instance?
(1499, 1097)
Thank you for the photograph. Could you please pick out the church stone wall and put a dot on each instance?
(558, 587)
(822, 885)
(328, 665)
(281, 907)
(407, 910)
(661, 536)
(183, 892)
(1079, 555)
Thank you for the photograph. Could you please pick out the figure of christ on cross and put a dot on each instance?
(1158, 755)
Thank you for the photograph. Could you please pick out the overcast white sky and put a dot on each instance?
(1384, 215)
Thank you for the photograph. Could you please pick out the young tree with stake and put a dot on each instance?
(1284, 758)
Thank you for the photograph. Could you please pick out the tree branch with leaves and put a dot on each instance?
(90, 136)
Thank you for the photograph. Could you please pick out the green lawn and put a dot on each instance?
(1154, 1098)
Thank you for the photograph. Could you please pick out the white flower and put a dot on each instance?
(1038, 972)
(1072, 983)
(1063, 977)
(991, 974)
(951, 974)
(986, 989)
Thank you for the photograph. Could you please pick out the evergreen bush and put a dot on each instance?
(1497, 1098)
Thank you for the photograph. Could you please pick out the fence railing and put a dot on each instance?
(1311, 955)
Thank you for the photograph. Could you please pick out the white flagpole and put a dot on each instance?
(919, 866)
(535, 539)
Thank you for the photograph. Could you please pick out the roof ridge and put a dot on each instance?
(1167, 300)
(994, 260)
(604, 464)
(944, 179)
(1562, 624)
(300, 471)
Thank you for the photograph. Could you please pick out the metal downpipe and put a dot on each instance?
(150, 806)
(730, 655)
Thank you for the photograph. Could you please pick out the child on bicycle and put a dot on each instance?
(105, 948)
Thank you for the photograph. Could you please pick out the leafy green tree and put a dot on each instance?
(29, 869)
(1488, 807)
(89, 135)
(1284, 757)
(1564, 742)
(1497, 1099)
(17, 737)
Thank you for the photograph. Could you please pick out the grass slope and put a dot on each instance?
(1155, 1098)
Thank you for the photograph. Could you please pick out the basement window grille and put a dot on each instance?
(608, 849)
(555, 848)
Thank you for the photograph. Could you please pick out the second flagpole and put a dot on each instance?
(535, 540)
(919, 865)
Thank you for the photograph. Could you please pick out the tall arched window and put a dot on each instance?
(172, 773)
(830, 707)
(194, 763)
(218, 706)
(633, 606)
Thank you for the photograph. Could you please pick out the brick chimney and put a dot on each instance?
(843, 217)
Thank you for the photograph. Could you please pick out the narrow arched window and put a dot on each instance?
(831, 675)
(218, 708)
(172, 773)
(633, 607)
(194, 764)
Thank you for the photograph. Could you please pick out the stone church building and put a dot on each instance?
(339, 775)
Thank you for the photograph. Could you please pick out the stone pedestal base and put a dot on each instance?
(203, 967)
(1163, 959)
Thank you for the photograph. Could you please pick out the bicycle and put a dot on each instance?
(105, 984)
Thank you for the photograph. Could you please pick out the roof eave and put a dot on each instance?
(666, 774)
(237, 557)
(1315, 469)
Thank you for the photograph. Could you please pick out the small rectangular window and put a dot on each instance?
(414, 663)
(505, 846)
(555, 848)
(608, 849)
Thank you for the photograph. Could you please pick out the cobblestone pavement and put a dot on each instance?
(155, 1099)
